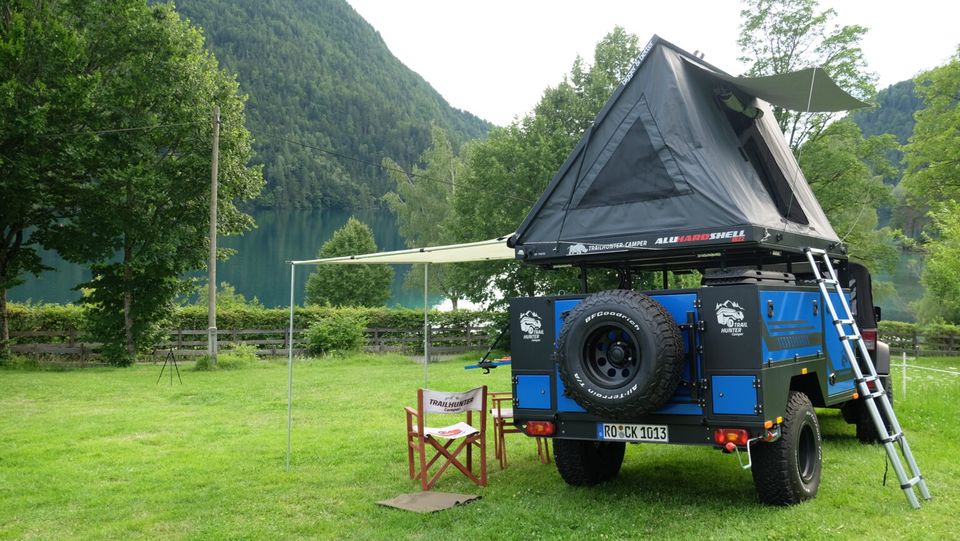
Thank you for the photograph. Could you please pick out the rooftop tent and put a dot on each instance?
(684, 163)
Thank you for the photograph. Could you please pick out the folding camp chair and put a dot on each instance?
(502, 412)
(419, 436)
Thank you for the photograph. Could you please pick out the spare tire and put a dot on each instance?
(620, 354)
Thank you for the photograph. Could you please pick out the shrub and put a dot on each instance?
(338, 331)
(230, 357)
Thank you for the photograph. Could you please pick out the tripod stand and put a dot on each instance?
(172, 360)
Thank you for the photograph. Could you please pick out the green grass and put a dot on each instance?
(107, 453)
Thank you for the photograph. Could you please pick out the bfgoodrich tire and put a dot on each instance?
(587, 463)
(620, 354)
(787, 471)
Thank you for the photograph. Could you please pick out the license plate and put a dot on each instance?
(621, 432)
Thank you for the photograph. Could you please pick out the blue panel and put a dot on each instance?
(793, 330)
(734, 395)
(565, 403)
(533, 392)
(559, 307)
(837, 361)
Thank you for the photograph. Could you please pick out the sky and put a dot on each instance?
(494, 58)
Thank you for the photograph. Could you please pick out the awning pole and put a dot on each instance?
(426, 324)
(293, 267)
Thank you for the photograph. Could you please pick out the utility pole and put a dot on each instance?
(212, 266)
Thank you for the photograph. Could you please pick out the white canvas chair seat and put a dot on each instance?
(464, 434)
(451, 432)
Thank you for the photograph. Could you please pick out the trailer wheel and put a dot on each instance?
(866, 430)
(787, 471)
(620, 354)
(588, 463)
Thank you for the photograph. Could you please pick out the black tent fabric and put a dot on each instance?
(672, 164)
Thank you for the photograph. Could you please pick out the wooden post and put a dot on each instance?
(212, 265)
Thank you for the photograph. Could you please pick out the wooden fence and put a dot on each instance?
(919, 343)
(193, 342)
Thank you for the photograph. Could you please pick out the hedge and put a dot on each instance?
(58, 317)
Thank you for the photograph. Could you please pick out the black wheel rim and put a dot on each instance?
(611, 355)
(806, 453)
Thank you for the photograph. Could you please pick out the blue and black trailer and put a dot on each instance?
(731, 364)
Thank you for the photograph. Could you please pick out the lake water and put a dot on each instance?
(258, 268)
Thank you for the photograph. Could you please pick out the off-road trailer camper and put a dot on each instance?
(685, 169)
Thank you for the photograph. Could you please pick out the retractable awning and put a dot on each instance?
(486, 250)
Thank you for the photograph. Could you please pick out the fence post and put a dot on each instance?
(903, 386)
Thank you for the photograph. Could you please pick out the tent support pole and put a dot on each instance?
(293, 267)
(426, 324)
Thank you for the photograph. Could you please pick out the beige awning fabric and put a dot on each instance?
(486, 250)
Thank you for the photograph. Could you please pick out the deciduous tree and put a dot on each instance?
(134, 205)
(781, 36)
(349, 285)
(506, 173)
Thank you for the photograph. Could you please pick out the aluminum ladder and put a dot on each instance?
(876, 400)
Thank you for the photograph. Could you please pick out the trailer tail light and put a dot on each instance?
(540, 428)
(736, 436)
(869, 338)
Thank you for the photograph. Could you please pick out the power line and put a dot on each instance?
(394, 169)
(122, 130)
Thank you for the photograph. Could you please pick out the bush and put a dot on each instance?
(338, 331)
(230, 357)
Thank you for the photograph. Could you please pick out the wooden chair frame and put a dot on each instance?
(418, 440)
(502, 412)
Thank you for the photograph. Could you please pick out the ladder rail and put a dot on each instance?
(895, 434)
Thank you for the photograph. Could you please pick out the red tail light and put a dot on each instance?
(738, 436)
(869, 338)
(540, 428)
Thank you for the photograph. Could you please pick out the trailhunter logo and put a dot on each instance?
(531, 326)
(730, 316)
(576, 249)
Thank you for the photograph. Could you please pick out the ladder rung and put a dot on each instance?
(867, 379)
(828, 281)
(844, 321)
(849, 337)
(816, 251)
(892, 438)
(912, 482)
(875, 394)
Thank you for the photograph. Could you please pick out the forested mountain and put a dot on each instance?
(893, 114)
(318, 74)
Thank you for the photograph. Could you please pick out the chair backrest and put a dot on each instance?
(446, 402)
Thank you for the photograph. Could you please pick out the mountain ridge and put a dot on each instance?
(327, 101)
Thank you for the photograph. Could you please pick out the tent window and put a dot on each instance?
(757, 152)
(634, 166)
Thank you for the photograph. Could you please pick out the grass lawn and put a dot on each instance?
(107, 453)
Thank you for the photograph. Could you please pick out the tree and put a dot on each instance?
(933, 154)
(42, 94)
(349, 285)
(135, 205)
(781, 36)
(941, 271)
(506, 173)
(422, 204)
(932, 181)
(846, 172)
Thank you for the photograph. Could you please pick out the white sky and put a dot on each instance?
(494, 58)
